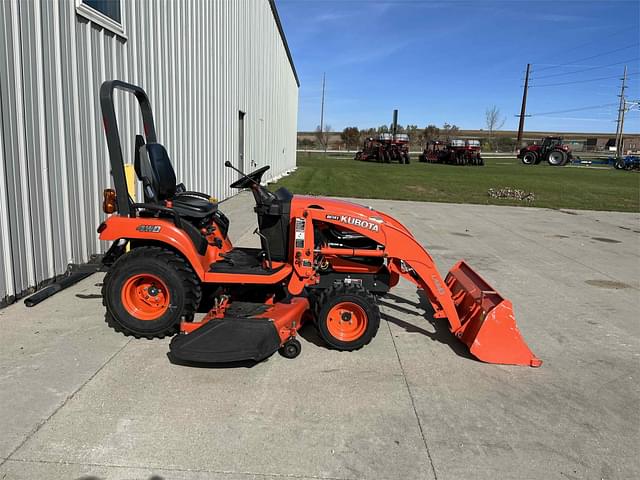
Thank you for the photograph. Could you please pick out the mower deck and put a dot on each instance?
(239, 331)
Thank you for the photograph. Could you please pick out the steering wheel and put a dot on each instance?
(251, 179)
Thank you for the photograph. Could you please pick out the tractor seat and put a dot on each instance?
(154, 169)
(193, 207)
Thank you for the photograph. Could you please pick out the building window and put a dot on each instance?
(106, 13)
(110, 8)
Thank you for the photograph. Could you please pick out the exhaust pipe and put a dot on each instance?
(394, 125)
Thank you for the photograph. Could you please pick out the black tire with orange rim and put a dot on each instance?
(148, 291)
(347, 317)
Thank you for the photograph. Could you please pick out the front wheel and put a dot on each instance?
(529, 158)
(148, 291)
(348, 317)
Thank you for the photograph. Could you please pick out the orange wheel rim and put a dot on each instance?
(347, 321)
(145, 297)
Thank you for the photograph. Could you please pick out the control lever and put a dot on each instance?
(266, 242)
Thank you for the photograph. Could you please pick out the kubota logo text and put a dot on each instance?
(358, 222)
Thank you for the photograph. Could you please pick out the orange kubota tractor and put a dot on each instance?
(321, 260)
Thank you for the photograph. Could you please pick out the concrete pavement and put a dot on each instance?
(79, 400)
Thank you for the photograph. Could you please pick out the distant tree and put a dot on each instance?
(505, 144)
(494, 122)
(449, 131)
(305, 143)
(368, 132)
(415, 135)
(323, 136)
(350, 136)
(431, 132)
(383, 129)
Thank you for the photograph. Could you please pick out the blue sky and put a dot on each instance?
(448, 61)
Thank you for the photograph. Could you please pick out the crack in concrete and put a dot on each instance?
(413, 404)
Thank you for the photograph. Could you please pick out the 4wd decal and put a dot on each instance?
(358, 222)
(149, 228)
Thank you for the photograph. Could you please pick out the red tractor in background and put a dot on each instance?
(455, 152)
(551, 149)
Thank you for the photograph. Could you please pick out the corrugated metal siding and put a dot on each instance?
(201, 62)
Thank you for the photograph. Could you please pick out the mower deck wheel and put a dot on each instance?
(347, 317)
(148, 291)
(291, 348)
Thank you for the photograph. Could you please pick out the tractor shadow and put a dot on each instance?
(213, 366)
(440, 331)
(310, 333)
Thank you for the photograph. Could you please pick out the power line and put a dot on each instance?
(580, 81)
(600, 38)
(588, 69)
(592, 107)
(568, 64)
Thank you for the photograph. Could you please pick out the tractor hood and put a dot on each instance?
(348, 209)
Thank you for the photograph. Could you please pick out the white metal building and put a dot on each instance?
(212, 69)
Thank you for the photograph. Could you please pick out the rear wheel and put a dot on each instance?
(557, 158)
(347, 317)
(529, 158)
(148, 291)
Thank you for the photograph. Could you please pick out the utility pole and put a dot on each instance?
(621, 110)
(523, 110)
(324, 140)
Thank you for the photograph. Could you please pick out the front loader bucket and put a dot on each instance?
(488, 326)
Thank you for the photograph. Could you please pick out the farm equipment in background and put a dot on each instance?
(551, 150)
(398, 148)
(630, 162)
(455, 152)
(465, 152)
(372, 149)
(322, 261)
(433, 152)
(386, 147)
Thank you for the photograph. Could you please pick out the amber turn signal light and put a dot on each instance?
(109, 200)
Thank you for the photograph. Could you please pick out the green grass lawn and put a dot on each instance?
(554, 187)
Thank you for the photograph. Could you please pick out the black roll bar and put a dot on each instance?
(113, 136)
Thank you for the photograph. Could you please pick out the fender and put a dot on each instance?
(159, 230)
